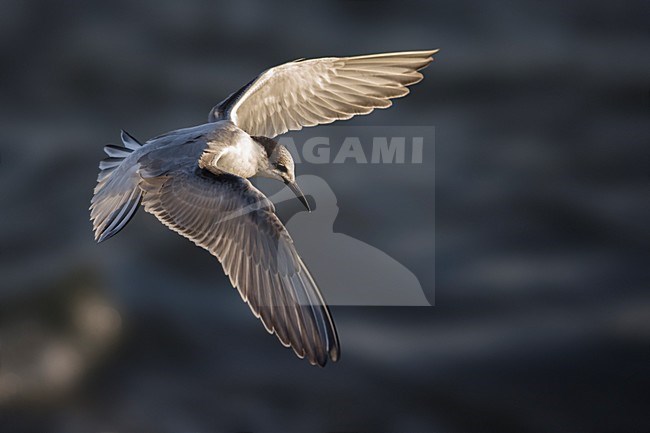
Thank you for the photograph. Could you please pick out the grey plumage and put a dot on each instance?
(116, 199)
(254, 248)
(194, 180)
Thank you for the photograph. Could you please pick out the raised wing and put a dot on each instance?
(234, 221)
(317, 91)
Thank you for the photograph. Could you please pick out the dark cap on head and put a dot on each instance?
(269, 144)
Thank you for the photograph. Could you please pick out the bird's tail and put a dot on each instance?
(117, 194)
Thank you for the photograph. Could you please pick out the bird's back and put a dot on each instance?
(117, 194)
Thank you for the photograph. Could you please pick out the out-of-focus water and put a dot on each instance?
(529, 222)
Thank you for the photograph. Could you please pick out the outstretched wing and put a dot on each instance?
(317, 91)
(234, 221)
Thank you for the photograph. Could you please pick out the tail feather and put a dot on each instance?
(117, 194)
(129, 141)
(117, 151)
(109, 163)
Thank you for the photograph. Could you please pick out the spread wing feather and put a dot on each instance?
(318, 91)
(229, 217)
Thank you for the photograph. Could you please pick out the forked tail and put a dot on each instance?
(117, 194)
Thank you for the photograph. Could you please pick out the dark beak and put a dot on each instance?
(293, 186)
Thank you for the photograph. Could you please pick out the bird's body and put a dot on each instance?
(233, 151)
(194, 180)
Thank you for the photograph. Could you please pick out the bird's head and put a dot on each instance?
(280, 166)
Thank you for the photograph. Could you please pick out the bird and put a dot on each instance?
(196, 182)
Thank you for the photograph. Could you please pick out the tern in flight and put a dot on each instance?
(195, 181)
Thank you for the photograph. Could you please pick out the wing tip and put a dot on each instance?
(332, 355)
(414, 53)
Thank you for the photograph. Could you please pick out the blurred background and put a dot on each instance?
(529, 221)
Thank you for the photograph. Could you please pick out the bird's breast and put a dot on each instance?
(239, 155)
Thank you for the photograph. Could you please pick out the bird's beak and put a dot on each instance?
(293, 186)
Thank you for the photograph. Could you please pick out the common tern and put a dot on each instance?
(195, 181)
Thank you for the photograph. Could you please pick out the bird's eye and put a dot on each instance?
(281, 168)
